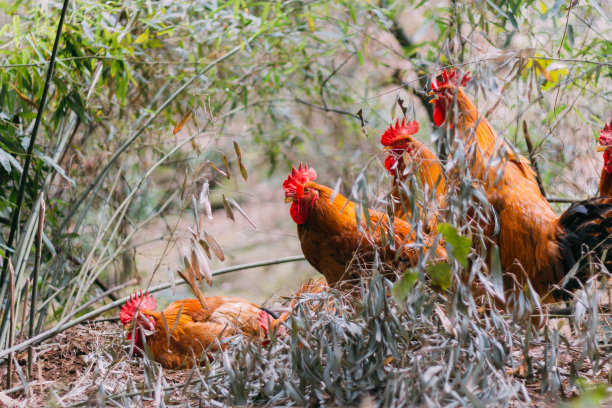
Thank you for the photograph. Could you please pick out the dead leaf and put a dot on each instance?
(202, 262)
(205, 247)
(360, 115)
(228, 209)
(217, 170)
(226, 164)
(189, 276)
(182, 123)
(214, 245)
(205, 199)
(243, 171)
(237, 207)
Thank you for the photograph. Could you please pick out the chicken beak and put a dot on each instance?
(289, 199)
(435, 97)
(128, 327)
(387, 148)
(601, 148)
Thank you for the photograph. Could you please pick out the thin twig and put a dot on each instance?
(325, 109)
(569, 9)
(330, 76)
(532, 159)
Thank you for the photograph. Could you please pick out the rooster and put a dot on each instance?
(179, 335)
(406, 155)
(336, 243)
(535, 244)
(605, 145)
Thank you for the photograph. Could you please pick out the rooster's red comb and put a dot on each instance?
(605, 136)
(397, 132)
(450, 77)
(298, 178)
(134, 303)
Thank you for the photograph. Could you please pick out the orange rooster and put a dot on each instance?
(535, 244)
(179, 335)
(336, 243)
(406, 155)
(605, 145)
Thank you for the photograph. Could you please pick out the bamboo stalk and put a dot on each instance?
(39, 234)
(28, 158)
(25, 308)
(9, 369)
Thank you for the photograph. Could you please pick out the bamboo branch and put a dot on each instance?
(140, 131)
(28, 158)
(39, 234)
(9, 369)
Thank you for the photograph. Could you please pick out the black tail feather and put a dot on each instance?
(587, 233)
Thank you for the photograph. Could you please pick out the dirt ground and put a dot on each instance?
(74, 366)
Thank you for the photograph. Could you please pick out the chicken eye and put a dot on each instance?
(306, 190)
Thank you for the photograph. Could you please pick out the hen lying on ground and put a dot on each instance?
(180, 334)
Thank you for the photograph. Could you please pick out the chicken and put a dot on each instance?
(179, 335)
(535, 244)
(406, 155)
(340, 246)
(605, 145)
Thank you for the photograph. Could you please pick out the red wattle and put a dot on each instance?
(439, 114)
(608, 160)
(299, 212)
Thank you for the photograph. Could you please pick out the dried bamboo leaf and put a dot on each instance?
(218, 170)
(166, 328)
(243, 170)
(202, 261)
(205, 247)
(194, 208)
(182, 122)
(205, 199)
(336, 190)
(241, 211)
(176, 319)
(226, 165)
(228, 209)
(237, 150)
(189, 276)
(214, 246)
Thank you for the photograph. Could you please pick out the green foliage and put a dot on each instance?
(440, 275)
(457, 246)
(592, 395)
